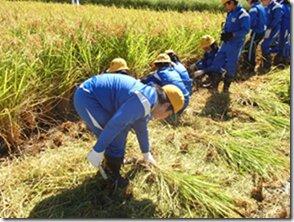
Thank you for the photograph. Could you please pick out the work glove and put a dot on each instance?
(198, 73)
(95, 158)
(149, 158)
(267, 33)
(227, 36)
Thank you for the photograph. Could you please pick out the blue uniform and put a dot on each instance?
(285, 38)
(168, 75)
(181, 69)
(258, 20)
(238, 23)
(274, 18)
(112, 105)
(207, 59)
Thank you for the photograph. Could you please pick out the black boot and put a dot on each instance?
(215, 80)
(227, 82)
(112, 168)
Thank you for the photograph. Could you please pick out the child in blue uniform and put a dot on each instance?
(258, 26)
(274, 18)
(112, 105)
(181, 69)
(284, 45)
(235, 29)
(165, 74)
(210, 47)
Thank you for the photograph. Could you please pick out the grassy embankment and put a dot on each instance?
(224, 144)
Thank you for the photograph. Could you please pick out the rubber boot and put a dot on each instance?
(112, 168)
(215, 80)
(227, 82)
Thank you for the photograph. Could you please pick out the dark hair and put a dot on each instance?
(174, 57)
(162, 97)
(161, 64)
(252, 1)
(235, 2)
(214, 46)
(123, 71)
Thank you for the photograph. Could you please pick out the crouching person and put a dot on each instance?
(165, 74)
(111, 105)
(181, 69)
(210, 47)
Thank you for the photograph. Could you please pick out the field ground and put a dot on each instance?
(52, 178)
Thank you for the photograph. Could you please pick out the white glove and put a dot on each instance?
(267, 33)
(198, 73)
(149, 158)
(95, 158)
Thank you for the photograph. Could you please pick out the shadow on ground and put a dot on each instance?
(217, 107)
(91, 200)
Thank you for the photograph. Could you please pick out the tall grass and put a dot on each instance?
(48, 48)
(175, 5)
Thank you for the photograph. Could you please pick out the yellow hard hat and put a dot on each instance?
(206, 41)
(224, 1)
(117, 64)
(175, 96)
(162, 58)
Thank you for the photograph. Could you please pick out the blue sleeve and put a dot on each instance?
(126, 115)
(199, 64)
(165, 79)
(253, 17)
(189, 86)
(140, 127)
(209, 60)
(278, 13)
(245, 27)
(150, 79)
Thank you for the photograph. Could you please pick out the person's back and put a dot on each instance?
(287, 15)
(181, 69)
(283, 56)
(113, 90)
(258, 18)
(168, 75)
(274, 16)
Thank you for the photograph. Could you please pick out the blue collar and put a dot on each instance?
(238, 8)
(163, 68)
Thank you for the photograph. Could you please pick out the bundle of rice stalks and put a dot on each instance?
(254, 155)
(194, 192)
